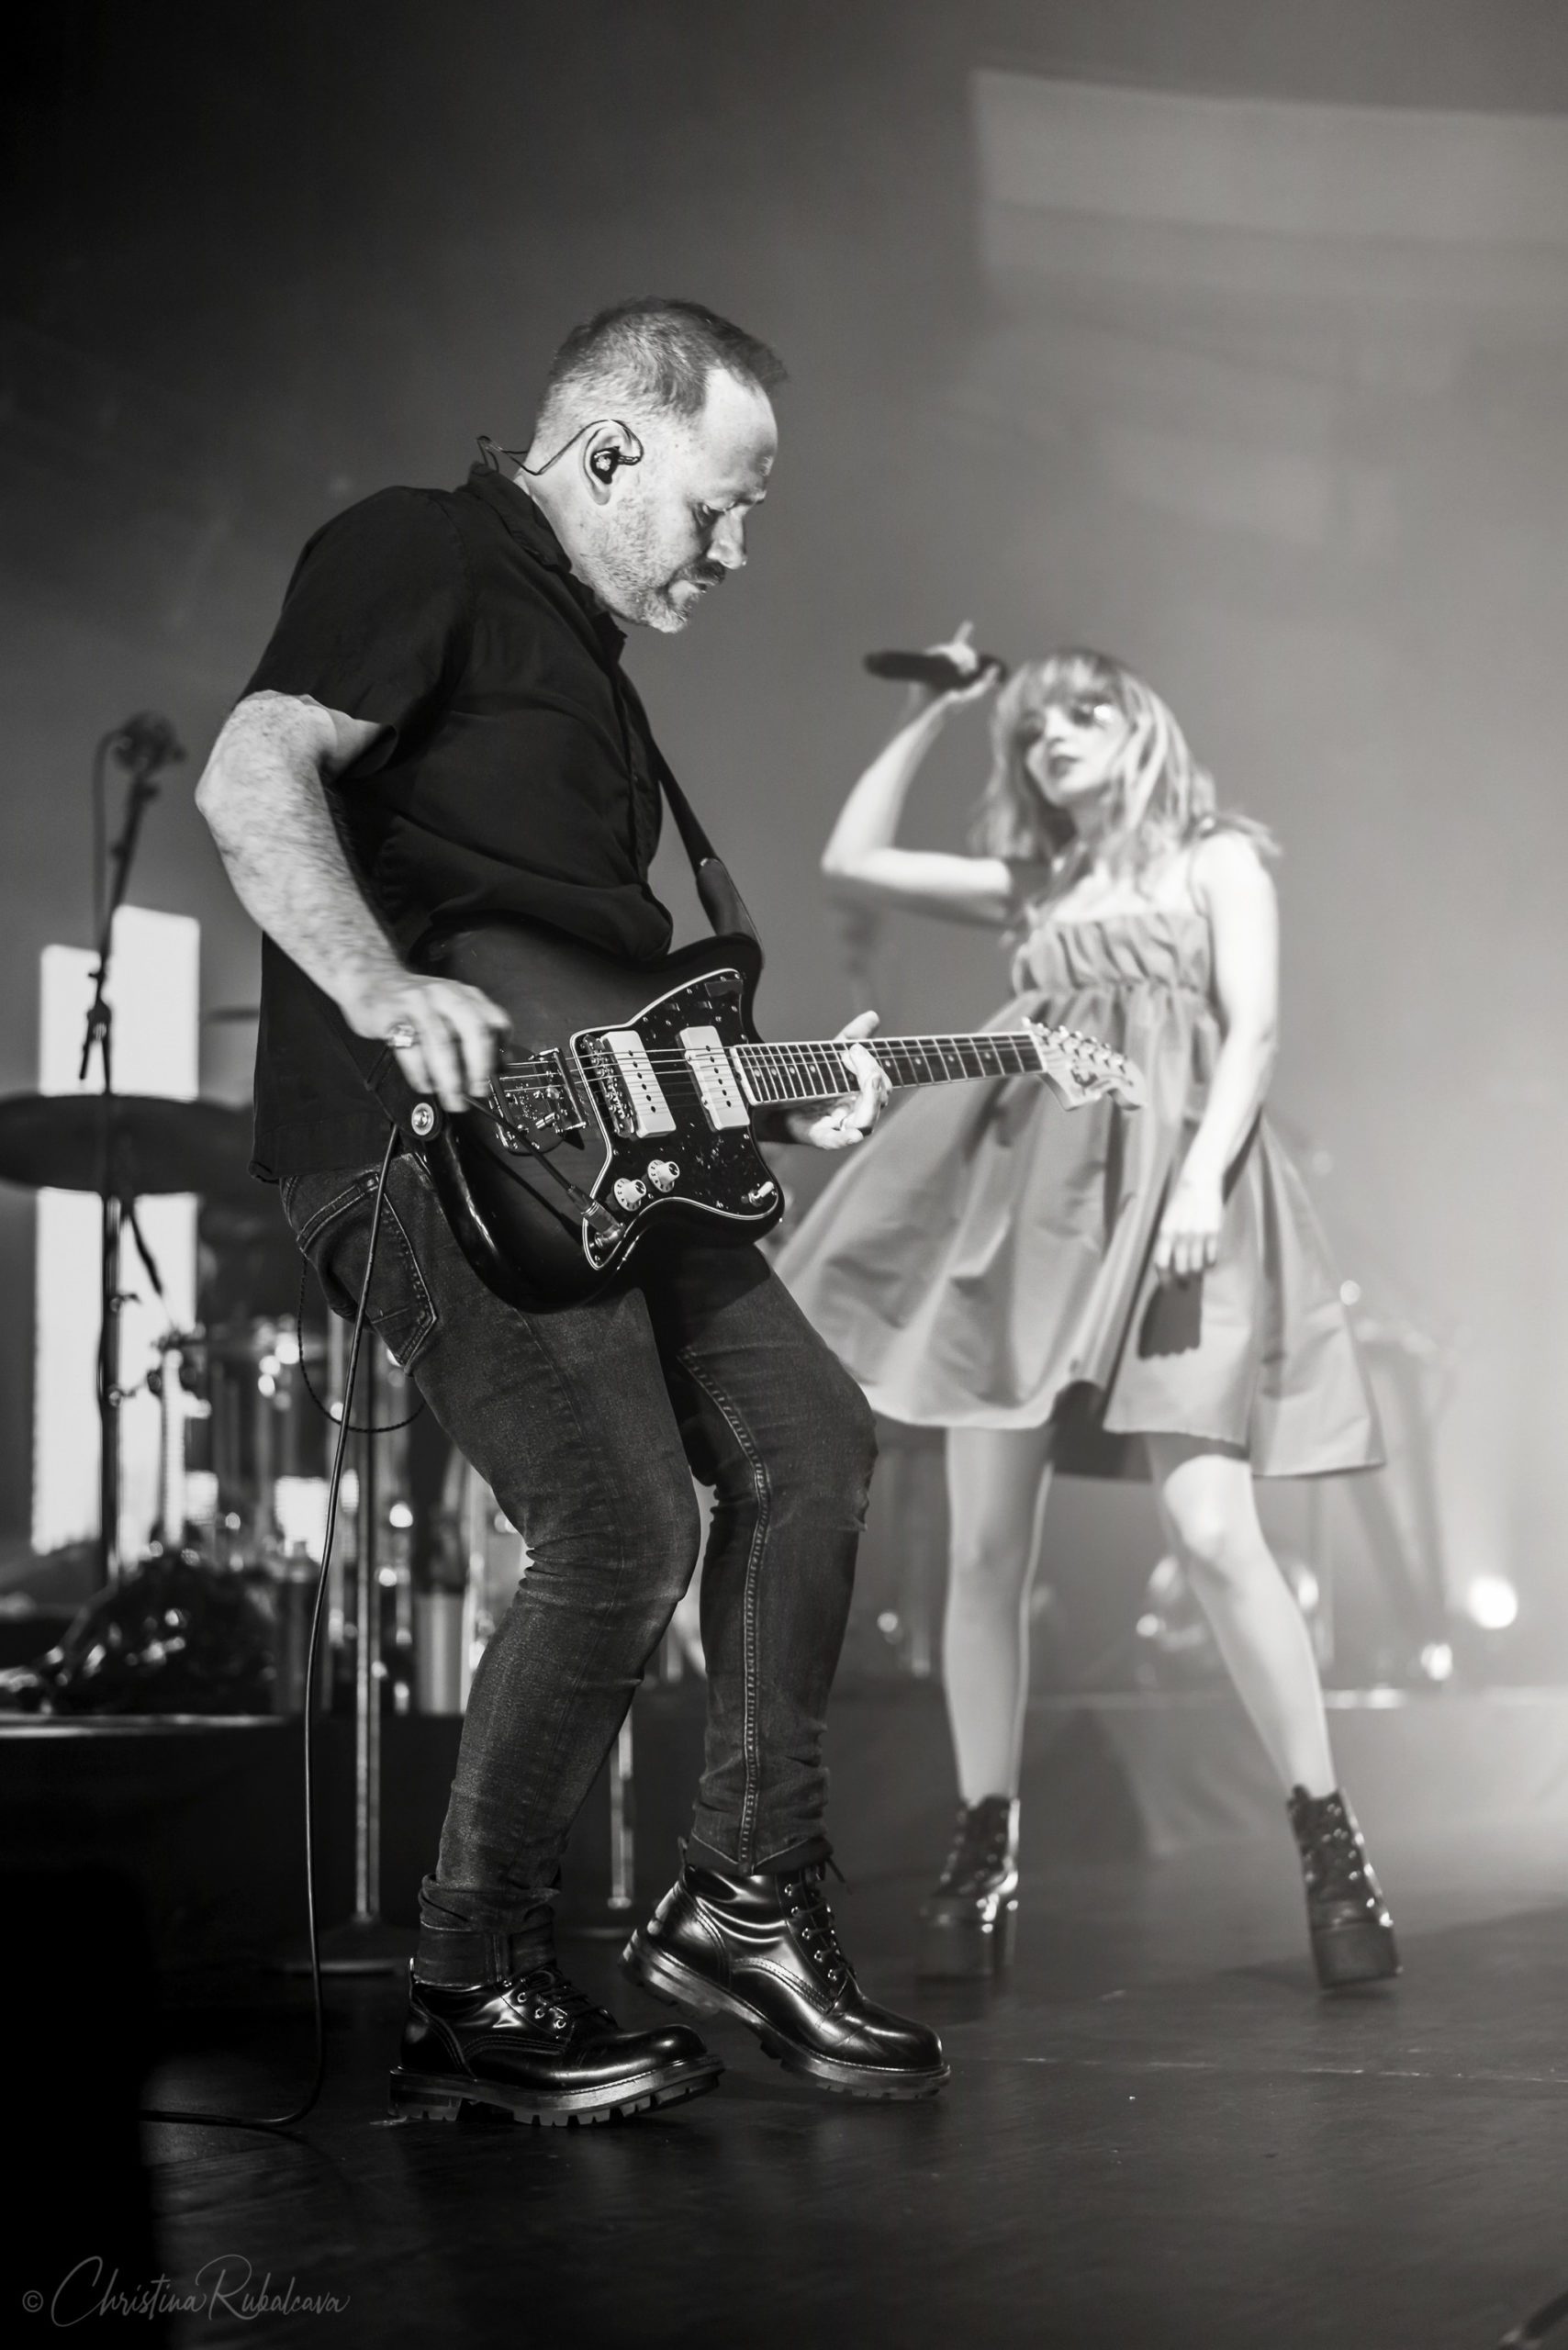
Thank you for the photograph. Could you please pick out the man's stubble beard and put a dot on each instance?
(663, 617)
(625, 586)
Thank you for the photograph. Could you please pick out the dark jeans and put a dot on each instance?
(588, 1424)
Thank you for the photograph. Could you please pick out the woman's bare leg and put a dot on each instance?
(996, 1482)
(1210, 1513)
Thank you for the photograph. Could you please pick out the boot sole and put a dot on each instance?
(450, 2097)
(1346, 1955)
(678, 1986)
(961, 1951)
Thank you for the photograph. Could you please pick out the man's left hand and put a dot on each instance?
(851, 1119)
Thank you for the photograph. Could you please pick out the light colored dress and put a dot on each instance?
(985, 1260)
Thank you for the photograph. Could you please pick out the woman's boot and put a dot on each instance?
(1352, 1934)
(968, 1920)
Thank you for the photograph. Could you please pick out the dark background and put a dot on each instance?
(260, 260)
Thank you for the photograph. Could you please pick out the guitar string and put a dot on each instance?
(782, 1057)
(685, 1084)
(985, 1039)
(677, 1071)
(783, 1065)
(1023, 1038)
(676, 1066)
(680, 1088)
(686, 1079)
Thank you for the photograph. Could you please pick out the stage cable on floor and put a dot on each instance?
(190, 2114)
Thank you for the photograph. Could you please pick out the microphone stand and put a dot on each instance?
(115, 1187)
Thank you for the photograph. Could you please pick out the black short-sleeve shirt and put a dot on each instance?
(518, 774)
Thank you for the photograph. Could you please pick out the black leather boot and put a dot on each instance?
(764, 1950)
(539, 2048)
(1352, 1934)
(969, 1921)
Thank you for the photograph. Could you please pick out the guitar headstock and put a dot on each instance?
(1081, 1070)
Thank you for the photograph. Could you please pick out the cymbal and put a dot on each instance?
(59, 1141)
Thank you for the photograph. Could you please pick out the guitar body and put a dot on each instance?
(573, 1099)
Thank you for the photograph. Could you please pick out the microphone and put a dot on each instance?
(147, 740)
(937, 670)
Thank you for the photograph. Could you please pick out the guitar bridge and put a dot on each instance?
(533, 1103)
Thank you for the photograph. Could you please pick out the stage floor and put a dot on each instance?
(1158, 2134)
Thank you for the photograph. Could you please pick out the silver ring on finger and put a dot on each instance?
(402, 1034)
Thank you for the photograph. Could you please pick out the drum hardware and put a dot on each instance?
(125, 1147)
(142, 746)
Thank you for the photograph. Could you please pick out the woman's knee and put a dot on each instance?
(989, 1567)
(1220, 1547)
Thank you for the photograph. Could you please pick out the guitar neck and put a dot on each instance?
(814, 1072)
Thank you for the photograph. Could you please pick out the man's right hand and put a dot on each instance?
(444, 1033)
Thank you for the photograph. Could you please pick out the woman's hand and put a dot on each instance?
(849, 1121)
(980, 675)
(1188, 1240)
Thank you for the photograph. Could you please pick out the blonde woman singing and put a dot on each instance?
(1108, 1294)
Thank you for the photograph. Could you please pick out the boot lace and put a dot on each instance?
(810, 1912)
(547, 1998)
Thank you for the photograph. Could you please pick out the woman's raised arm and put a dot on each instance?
(862, 859)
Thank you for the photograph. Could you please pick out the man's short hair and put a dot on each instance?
(653, 354)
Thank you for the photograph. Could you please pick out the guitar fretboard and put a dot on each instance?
(814, 1072)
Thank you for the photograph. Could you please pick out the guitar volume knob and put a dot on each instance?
(628, 1192)
(663, 1174)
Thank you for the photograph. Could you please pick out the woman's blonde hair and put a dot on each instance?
(1162, 797)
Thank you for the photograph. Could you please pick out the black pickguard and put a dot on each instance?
(521, 1228)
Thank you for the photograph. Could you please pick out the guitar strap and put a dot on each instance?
(721, 902)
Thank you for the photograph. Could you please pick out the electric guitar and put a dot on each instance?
(622, 1103)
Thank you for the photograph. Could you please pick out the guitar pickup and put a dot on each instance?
(643, 1097)
(721, 1100)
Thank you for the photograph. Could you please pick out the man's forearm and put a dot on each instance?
(263, 798)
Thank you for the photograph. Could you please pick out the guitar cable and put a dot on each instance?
(273, 2121)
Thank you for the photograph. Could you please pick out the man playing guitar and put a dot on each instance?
(440, 729)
